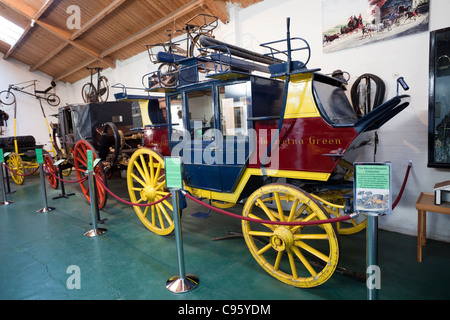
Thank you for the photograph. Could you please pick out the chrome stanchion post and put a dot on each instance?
(6, 175)
(372, 253)
(182, 282)
(372, 183)
(94, 232)
(61, 182)
(5, 202)
(40, 161)
(46, 208)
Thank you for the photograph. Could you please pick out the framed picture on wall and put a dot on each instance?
(353, 23)
(439, 100)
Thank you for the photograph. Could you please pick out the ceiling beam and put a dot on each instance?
(149, 29)
(35, 16)
(75, 69)
(29, 12)
(154, 26)
(98, 17)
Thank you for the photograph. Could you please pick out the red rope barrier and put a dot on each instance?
(302, 223)
(397, 200)
(131, 203)
(19, 174)
(68, 181)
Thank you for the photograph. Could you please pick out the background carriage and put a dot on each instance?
(112, 130)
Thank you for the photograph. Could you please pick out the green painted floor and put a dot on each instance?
(131, 263)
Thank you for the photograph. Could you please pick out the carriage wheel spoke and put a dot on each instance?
(266, 210)
(313, 251)
(292, 263)
(141, 172)
(304, 261)
(279, 207)
(138, 180)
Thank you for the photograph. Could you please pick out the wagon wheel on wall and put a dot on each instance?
(52, 180)
(80, 164)
(15, 164)
(301, 256)
(146, 181)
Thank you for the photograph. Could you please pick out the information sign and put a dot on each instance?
(173, 172)
(39, 156)
(372, 188)
(90, 165)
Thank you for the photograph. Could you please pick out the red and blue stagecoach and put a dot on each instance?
(265, 131)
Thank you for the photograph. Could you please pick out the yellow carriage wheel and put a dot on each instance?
(302, 256)
(222, 204)
(31, 166)
(15, 164)
(66, 172)
(333, 201)
(146, 184)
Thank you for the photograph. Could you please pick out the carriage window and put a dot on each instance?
(334, 104)
(233, 109)
(201, 114)
(176, 117)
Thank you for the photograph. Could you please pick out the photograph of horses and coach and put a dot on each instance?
(352, 23)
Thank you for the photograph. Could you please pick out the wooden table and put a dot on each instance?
(425, 203)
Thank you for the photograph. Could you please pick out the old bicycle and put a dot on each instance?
(98, 92)
(7, 97)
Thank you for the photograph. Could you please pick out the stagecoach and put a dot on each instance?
(265, 131)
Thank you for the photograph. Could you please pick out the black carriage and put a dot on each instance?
(111, 130)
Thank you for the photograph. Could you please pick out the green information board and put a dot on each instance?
(372, 188)
(90, 164)
(2, 157)
(173, 172)
(39, 156)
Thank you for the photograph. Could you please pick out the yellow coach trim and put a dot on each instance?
(300, 101)
(234, 196)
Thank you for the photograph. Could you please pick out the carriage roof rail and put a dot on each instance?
(274, 51)
(290, 66)
(210, 22)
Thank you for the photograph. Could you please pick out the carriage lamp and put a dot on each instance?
(401, 81)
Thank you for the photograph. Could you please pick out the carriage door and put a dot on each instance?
(234, 104)
(198, 149)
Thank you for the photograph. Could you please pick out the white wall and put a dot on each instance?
(402, 139)
(29, 117)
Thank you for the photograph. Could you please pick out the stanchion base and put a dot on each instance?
(63, 196)
(95, 232)
(46, 209)
(5, 203)
(181, 285)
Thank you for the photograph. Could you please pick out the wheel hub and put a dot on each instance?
(282, 239)
(148, 193)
